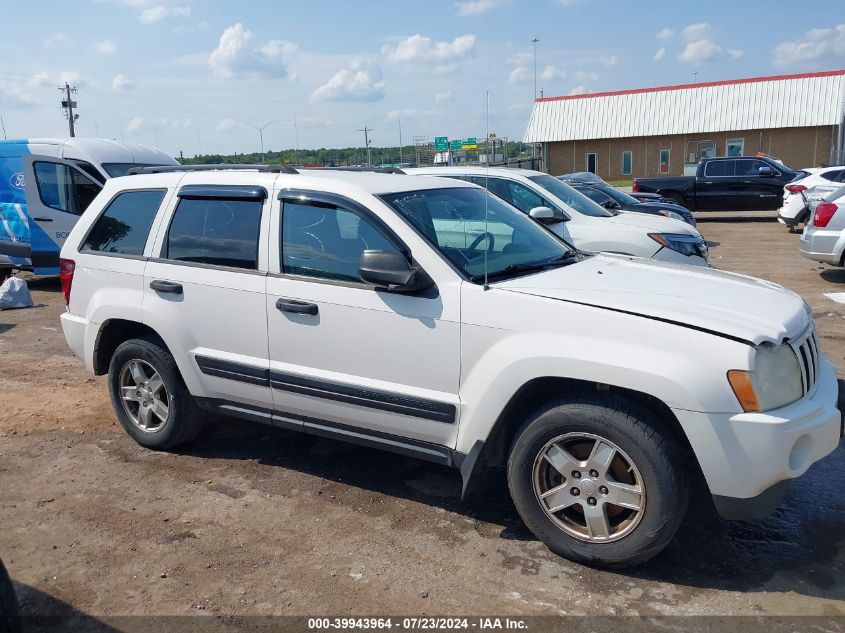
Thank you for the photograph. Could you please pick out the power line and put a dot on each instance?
(68, 104)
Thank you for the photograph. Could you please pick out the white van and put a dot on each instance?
(46, 184)
(580, 221)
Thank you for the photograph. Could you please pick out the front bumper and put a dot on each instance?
(745, 455)
(822, 245)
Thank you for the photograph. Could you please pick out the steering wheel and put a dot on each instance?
(491, 241)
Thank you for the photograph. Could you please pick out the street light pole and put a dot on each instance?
(534, 42)
(260, 135)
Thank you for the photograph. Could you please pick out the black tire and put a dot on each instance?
(9, 622)
(649, 444)
(185, 420)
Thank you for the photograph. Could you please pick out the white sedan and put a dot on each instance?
(823, 239)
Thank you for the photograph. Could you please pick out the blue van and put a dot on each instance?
(46, 184)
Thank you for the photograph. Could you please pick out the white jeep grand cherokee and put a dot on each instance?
(428, 317)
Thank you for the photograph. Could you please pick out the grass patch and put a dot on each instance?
(621, 183)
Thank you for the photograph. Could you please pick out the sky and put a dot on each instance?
(196, 75)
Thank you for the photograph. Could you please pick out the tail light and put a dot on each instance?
(795, 188)
(824, 212)
(635, 187)
(66, 268)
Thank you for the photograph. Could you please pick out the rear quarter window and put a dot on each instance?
(123, 228)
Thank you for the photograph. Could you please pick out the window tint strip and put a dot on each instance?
(246, 192)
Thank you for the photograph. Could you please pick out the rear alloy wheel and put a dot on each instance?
(600, 479)
(589, 487)
(150, 398)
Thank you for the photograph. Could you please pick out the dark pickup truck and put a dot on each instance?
(744, 183)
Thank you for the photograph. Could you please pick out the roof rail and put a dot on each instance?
(163, 169)
(378, 170)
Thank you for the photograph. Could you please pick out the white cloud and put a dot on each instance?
(665, 34)
(226, 125)
(360, 82)
(59, 40)
(160, 12)
(143, 123)
(105, 47)
(519, 74)
(608, 60)
(418, 48)
(477, 7)
(522, 59)
(701, 48)
(411, 113)
(40, 80)
(313, 122)
(585, 76)
(236, 55)
(660, 54)
(440, 97)
(13, 94)
(121, 84)
(815, 45)
(578, 90)
(550, 73)
(73, 78)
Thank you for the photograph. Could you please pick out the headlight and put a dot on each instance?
(685, 244)
(671, 214)
(774, 382)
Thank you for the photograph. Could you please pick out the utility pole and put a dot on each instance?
(366, 132)
(534, 42)
(4, 127)
(68, 105)
(296, 139)
(400, 142)
(260, 135)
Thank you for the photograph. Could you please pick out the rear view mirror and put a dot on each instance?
(391, 271)
(547, 215)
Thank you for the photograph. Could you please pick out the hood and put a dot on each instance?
(666, 206)
(732, 305)
(653, 223)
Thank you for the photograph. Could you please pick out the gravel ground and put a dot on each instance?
(253, 520)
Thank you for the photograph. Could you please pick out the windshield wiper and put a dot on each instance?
(568, 257)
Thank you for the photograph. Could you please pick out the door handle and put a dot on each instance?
(168, 287)
(43, 219)
(297, 307)
(708, 182)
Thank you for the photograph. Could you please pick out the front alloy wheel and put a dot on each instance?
(589, 487)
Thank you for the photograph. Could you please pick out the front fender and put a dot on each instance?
(682, 367)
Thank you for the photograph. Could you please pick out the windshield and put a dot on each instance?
(835, 195)
(453, 221)
(619, 196)
(575, 199)
(119, 169)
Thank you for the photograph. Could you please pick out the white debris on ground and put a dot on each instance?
(14, 293)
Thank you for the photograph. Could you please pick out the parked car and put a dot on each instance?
(46, 183)
(615, 200)
(747, 183)
(811, 183)
(429, 317)
(9, 621)
(582, 222)
(588, 176)
(823, 239)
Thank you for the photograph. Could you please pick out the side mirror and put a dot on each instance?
(391, 271)
(547, 215)
(610, 204)
(766, 171)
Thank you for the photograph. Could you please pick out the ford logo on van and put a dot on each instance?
(16, 180)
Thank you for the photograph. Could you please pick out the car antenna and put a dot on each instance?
(486, 183)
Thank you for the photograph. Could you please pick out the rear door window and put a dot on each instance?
(124, 226)
(220, 232)
(719, 168)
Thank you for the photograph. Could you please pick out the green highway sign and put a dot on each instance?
(441, 143)
(456, 145)
(471, 143)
